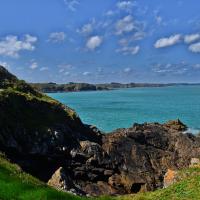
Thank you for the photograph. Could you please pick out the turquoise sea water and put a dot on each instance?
(113, 109)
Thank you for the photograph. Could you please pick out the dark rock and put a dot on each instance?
(80, 175)
(99, 171)
(108, 173)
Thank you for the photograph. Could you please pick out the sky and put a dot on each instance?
(99, 41)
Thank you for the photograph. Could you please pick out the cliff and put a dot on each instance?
(49, 141)
(37, 131)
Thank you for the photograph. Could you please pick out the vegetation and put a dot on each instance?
(17, 185)
(74, 87)
(70, 87)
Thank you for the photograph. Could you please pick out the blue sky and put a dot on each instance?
(101, 41)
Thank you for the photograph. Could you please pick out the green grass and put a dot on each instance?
(17, 185)
(187, 188)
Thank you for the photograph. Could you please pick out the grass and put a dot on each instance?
(17, 185)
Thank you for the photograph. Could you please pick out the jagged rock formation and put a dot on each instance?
(132, 160)
(48, 140)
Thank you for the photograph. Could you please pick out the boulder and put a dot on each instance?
(169, 178)
(60, 180)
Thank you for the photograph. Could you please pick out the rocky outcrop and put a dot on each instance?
(48, 140)
(140, 158)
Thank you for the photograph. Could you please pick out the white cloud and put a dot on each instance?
(61, 70)
(130, 39)
(94, 42)
(5, 64)
(165, 42)
(195, 48)
(57, 37)
(86, 73)
(158, 19)
(87, 28)
(196, 66)
(34, 65)
(66, 66)
(30, 39)
(171, 69)
(67, 73)
(191, 38)
(11, 45)
(71, 4)
(127, 70)
(125, 5)
(109, 13)
(129, 50)
(44, 68)
(125, 25)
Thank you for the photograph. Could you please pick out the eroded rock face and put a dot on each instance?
(133, 160)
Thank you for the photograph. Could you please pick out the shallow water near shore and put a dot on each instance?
(109, 110)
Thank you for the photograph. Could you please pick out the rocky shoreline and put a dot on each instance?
(49, 141)
(128, 161)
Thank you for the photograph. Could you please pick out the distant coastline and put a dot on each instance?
(77, 87)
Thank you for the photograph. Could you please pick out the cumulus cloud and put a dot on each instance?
(57, 37)
(87, 28)
(34, 65)
(158, 19)
(191, 38)
(67, 73)
(124, 25)
(44, 69)
(195, 48)
(127, 70)
(129, 50)
(125, 5)
(86, 73)
(130, 39)
(109, 13)
(165, 42)
(72, 4)
(11, 45)
(94, 42)
(61, 70)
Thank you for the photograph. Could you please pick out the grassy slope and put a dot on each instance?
(17, 185)
(187, 188)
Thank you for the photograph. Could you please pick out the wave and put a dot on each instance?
(193, 131)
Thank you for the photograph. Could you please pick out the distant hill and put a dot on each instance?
(76, 87)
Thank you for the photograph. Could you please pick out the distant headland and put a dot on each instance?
(76, 87)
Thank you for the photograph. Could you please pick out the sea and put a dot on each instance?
(121, 108)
